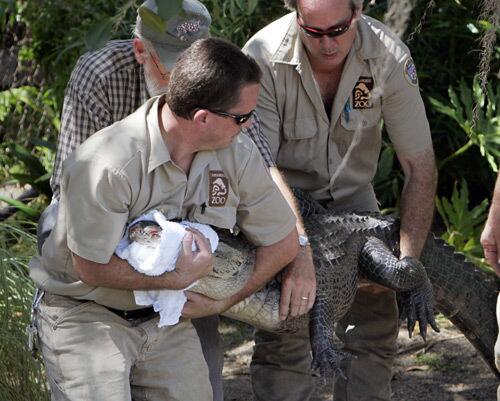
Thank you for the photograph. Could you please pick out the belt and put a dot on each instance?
(134, 314)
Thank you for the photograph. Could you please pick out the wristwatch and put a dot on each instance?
(303, 240)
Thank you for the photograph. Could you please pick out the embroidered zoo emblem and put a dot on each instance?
(361, 94)
(218, 189)
(410, 72)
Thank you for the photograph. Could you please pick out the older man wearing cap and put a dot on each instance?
(97, 343)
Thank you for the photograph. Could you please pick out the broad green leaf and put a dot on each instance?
(442, 108)
(19, 205)
(31, 162)
(385, 164)
(168, 9)
(98, 34)
(151, 20)
(252, 5)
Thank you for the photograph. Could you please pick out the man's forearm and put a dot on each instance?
(417, 202)
(118, 273)
(269, 260)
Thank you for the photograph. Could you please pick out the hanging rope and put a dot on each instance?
(490, 12)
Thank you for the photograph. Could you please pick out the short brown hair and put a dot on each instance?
(292, 4)
(210, 74)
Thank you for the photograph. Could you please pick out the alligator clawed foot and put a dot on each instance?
(417, 305)
(329, 361)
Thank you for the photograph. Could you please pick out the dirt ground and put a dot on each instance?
(446, 368)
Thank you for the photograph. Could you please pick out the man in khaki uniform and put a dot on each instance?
(180, 153)
(330, 75)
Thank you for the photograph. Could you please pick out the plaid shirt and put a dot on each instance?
(104, 87)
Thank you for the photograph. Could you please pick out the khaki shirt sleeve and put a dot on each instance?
(267, 105)
(263, 214)
(97, 199)
(404, 113)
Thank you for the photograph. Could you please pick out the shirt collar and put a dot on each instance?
(158, 153)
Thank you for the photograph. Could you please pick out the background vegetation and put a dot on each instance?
(40, 42)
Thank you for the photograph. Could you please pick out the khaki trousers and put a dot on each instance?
(92, 354)
(280, 366)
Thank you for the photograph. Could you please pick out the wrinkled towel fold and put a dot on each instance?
(154, 261)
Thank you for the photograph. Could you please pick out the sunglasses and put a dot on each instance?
(239, 119)
(331, 32)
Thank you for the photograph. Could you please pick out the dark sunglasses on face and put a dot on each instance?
(332, 32)
(239, 119)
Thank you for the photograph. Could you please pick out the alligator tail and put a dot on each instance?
(464, 294)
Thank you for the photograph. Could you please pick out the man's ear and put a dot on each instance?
(201, 116)
(140, 51)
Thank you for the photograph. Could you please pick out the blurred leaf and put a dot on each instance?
(463, 225)
(168, 8)
(151, 20)
(32, 163)
(19, 205)
(98, 34)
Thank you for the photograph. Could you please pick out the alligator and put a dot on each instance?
(350, 247)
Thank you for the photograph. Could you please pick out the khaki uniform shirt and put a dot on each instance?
(334, 156)
(112, 179)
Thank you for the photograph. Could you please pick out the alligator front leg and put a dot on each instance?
(326, 357)
(337, 279)
(407, 276)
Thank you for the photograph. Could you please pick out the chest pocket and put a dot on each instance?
(301, 128)
(222, 217)
(353, 119)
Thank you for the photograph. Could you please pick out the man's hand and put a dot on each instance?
(298, 285)
(490, 237)
(193, 265)
(198, 305)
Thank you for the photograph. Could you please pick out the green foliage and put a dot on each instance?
(63, 30)
(463, 226)
(27, 156)
(435, 361)
(238, 20)
(31, 109)
(485, 132)
(22, 376)
(388, 179)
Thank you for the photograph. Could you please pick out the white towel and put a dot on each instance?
(160, 259)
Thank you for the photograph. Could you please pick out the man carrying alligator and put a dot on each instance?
(97, 343)
(330, 74)
(109, 84)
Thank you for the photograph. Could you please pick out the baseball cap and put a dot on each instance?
(170, 37)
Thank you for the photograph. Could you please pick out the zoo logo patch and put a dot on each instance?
(361, 94)
(410, 72)
(218, 190)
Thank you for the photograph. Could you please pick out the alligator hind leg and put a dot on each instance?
(407, 277)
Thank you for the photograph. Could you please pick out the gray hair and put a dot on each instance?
(147, 43)
(292, 4)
